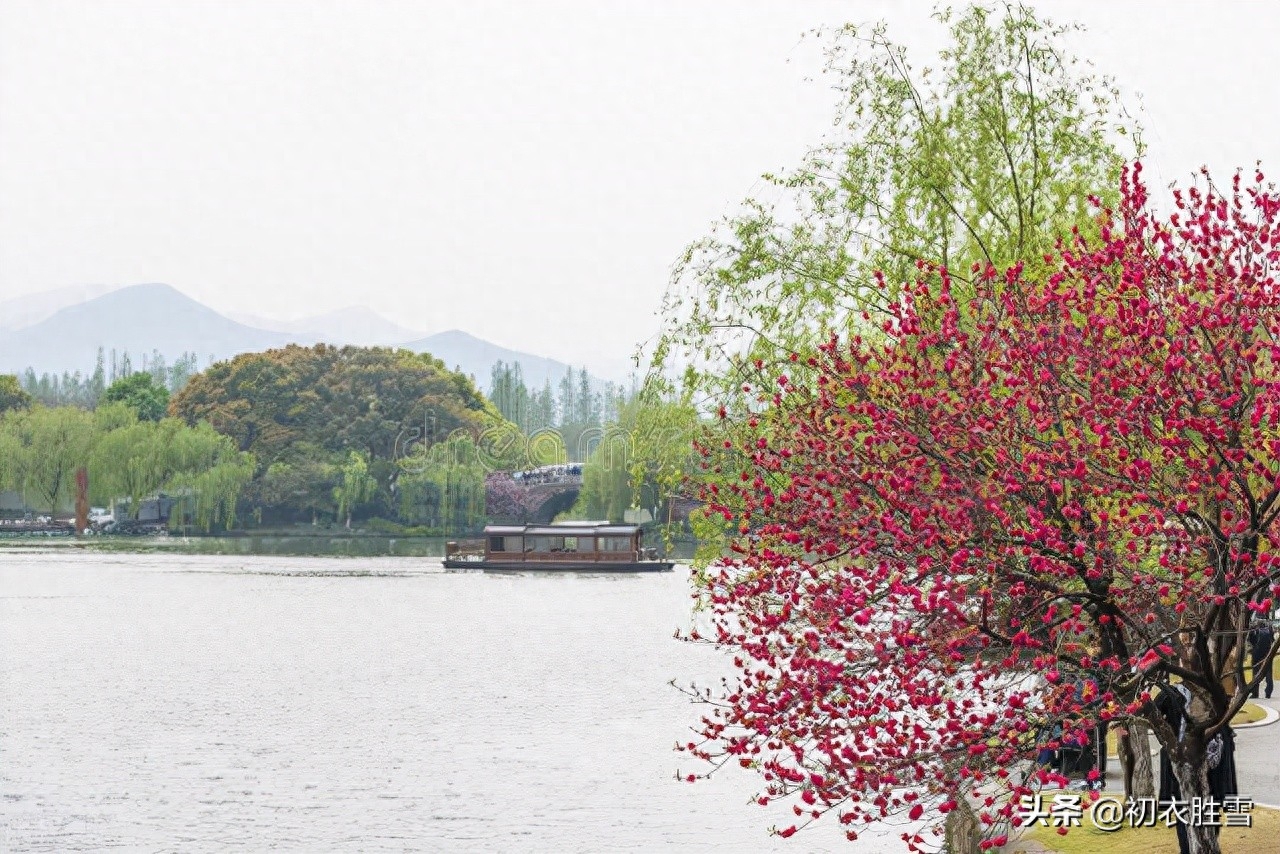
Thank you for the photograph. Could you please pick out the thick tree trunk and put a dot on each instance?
(1193, 782)
(963, 834)
(1141, 777)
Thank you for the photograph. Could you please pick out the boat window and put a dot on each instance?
(570, 544)
(541, 544)
(499, 544)
(615, 544)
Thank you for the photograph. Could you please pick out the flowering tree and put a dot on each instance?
(1038, 508)
(504, 498)
(983, 152)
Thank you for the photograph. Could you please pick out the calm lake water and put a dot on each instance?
(172, 702)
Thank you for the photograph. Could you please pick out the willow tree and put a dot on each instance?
(131, 463)
(141, 458)
(43, 447)
(443, 486)
(213, 477)
(636, 460)
(355, 485)
(984, 158)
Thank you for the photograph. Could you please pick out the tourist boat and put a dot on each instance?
(572, 546)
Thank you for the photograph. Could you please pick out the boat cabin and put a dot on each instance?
(596, 542)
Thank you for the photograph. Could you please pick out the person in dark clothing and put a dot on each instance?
(1174, 704)
(1260, 639)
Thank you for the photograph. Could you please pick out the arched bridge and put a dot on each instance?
(546, 492)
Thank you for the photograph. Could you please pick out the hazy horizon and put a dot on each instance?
(526, 173)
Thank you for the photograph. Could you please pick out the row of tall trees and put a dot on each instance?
(127, 459)
(376, 435)
(85, 391)
(628, 445)
(577, 406)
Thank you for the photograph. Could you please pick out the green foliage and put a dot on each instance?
(137, 460)
(12, 395)
(374, 400)
(85, 391)
(42, 449)
(577, 414)
(328, 425)
(355, 485)
(987, 157)
(142, 394)
(606, 478)
(640, 459)
(304, 486)
(127, 459)
(443, 486)
(509, 394)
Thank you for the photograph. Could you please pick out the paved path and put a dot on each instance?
(1257, 771)
(1258, 759)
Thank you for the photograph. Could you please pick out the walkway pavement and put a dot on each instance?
(1257, 771)
(1258, 759)
(1257, 767)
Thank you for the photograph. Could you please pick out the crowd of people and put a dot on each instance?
(549, 474)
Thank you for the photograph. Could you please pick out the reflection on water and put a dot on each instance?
(174, 702)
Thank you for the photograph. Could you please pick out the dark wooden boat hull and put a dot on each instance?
(561, 565)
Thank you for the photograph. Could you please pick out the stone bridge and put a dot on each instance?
(541, 494)
(546, 501)
(542, 497)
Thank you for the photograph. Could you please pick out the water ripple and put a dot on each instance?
(205, 703)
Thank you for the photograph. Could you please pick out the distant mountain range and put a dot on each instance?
(33, 308)
(352, 325)
(35, 332)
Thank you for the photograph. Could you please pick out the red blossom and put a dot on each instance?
(1029, 506)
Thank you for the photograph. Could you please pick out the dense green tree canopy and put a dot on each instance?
(141, 393)
(42, 448)
(443, 486)
(371, 400)
(137, 459)
(12, 395)
(355, 484)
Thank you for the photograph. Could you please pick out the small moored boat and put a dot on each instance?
(590, 546)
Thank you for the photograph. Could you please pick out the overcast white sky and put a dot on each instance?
(526, 171)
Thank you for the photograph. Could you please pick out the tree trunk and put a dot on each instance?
(1193, 782)
(82, 500)
(963, 835)
(1141, 775)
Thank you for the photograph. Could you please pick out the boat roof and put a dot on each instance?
(587, 529)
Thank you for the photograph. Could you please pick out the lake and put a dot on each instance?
(180, 702)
